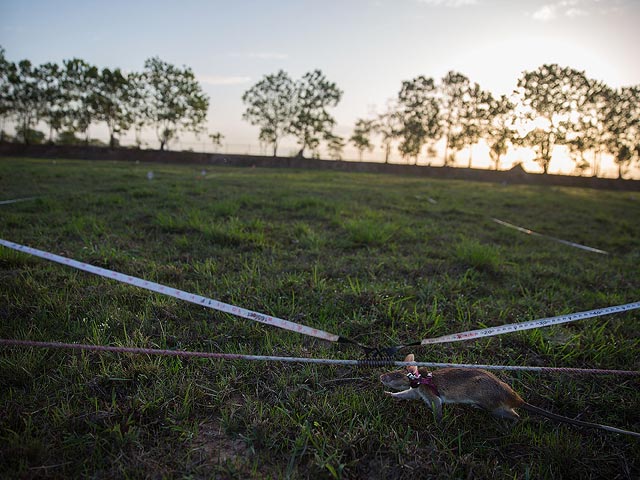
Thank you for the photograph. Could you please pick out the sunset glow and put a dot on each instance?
(368, 47)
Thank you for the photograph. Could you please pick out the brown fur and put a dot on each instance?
(459, 385)
(487, 390)
(472, 386)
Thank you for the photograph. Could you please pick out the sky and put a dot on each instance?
(367, 47)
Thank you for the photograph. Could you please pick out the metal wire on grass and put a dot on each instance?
(327, 361)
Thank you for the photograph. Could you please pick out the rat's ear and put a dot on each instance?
(412, 368)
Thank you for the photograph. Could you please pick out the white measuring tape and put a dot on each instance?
(295, 327)
(542, 322)
(16, 200)
(173, 292)
(559, 240)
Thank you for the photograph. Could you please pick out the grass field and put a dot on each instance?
(383, 259)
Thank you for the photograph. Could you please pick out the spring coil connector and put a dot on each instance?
(375, 362)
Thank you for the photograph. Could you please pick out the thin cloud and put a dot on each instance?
(223, 79)
(576, 12)
(449, 3)
(545, 13)
(569, 9)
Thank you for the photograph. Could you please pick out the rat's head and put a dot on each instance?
(398, 379)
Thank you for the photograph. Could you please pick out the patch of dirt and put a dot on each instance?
(214, 444)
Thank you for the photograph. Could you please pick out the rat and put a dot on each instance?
(476, 387)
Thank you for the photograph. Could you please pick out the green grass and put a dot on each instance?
(473, 253)
(366, 256)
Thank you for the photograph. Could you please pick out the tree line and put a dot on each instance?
(551, 106)
(69, 98)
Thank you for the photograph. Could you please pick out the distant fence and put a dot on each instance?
(515, 175)
(349, 152)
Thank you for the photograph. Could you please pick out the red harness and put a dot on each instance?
(415, 380)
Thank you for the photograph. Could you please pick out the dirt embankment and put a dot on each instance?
(515, 175)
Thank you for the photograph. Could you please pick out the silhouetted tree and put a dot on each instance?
(476, 117)
(79, 82)
(25, 99)
(454, 96)
(29, 136)
(270, 105)
(54, 99)
(623, 128)
(419, 115)
(311, 121)
(551, 93)
(500, 130)
(175, 100)
(67, 138)
(6, 106)
(388, 126)
(588, 130)
(335, 145)
(138, 91)
(216, 139)
(111, 103)
(361, 136)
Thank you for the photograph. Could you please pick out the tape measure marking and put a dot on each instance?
(295, 327)
(543, 322)
(16, 200)
(173, 292)
(565, 242)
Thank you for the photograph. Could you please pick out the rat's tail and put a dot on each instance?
(545, 413)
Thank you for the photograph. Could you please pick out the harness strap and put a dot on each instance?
(415, 380)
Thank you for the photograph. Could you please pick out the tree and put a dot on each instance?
(111, 103)
(588, 129)
(26, 99)
(29, 136)
(550, 94)
(80, 83)
(476, 117)
(454, 95)
(54, 100)
(138, 91)
(361, 136)
(68, 138)
(419, 115)
(388, 126)
(500, 131)
(6, 106)
(175, 100)
(270, 105)
(623, 128)
(216, 139)
(335, 145)
(311, 121)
